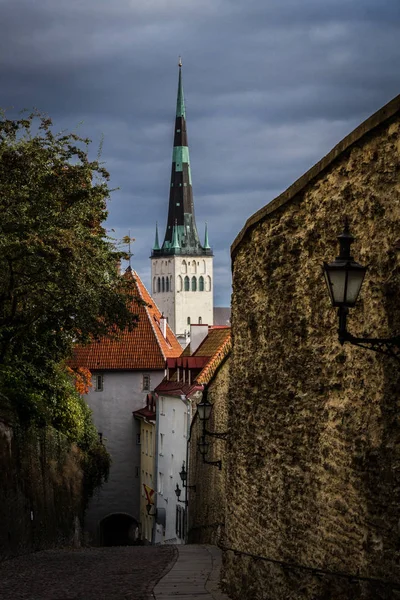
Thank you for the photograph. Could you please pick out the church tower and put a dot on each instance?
(182, 267)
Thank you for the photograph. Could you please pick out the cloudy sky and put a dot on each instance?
(270, 85)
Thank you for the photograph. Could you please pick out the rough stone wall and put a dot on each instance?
(207, 503)
(40, 491)
(313, 473)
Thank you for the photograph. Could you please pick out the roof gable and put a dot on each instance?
(143, 348)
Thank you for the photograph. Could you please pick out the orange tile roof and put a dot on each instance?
(143, 348)
(219, 343)
(215, 347)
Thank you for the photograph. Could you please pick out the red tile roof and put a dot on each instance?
(143, 348)
(208, 356)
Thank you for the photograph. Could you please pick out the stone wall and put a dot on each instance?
(313, 473)
(40, 491)
(207, 503)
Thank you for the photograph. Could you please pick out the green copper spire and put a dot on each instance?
(206, 245)
(156, 242)
(180, 102)
(175, 240)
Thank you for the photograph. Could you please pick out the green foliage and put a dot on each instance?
(58, 275)
(59, 282)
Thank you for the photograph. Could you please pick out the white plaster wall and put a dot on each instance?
(173, 418)
(112, 414)
(177, 304)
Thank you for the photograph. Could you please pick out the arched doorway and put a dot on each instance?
(118, 529)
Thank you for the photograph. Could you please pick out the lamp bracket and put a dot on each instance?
(388, 346)
(221, 435)
(189, 487)
(215, 463)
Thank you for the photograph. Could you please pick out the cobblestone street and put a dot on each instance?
(116, 573)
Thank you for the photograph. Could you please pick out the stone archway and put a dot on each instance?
(118, 529)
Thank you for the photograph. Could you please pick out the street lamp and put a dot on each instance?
(203, 447)
(204, 409)
(148, 508)
(178, 492)
(183, 476)
(344, 278)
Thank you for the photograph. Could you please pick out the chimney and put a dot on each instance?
(163, 325)
(198, 333)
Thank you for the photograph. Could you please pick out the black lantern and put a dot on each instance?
(204, 409)
(148, 508)
(178, 491)
(203, 445)
(344, 276)
(183, 474)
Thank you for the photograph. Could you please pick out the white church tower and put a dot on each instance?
(182, 268)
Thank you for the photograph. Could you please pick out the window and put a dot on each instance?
(158, 284)
(167, 284)
(138, 438)
(170, 283)
(200, 320)
(161, 443)
(201, 283)
(161, 483)
(184, 267)
(187, 284)
(146, 383)
(151, 444)
(162, 406)
(147, 442)
(154, 285)
(188, 321)
(179, 284)
(194, 284)
(99, 381)
(163, 284)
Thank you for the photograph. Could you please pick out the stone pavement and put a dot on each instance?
(194, 575)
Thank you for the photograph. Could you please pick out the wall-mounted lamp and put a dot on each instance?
(148, 508)
(203, 447)
(178, 492)
(344, 278)
(183, 476)
(204, 409)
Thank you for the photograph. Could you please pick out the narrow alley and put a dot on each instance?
(114, 573)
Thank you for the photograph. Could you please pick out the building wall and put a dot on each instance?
(112, 409)
(207, 504)
(314, 466)
(177, 304)
(173, 418)
(147, 476)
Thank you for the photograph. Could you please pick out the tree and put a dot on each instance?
(58, 271)
(59, 278)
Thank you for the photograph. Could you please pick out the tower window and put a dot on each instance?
(188, 320)
(167, 284)
(163, 284)
(201, 283)
(99, 383)
(187, 284)
(158, 284)
(146, 383)
(200, 320)
(194, 284)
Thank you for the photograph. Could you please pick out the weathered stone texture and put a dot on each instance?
(313, 473)
(41, 496)
(207, 503)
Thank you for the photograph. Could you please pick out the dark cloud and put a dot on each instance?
(270, 88)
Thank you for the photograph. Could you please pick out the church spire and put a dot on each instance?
(181, 236)
(156, 242)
